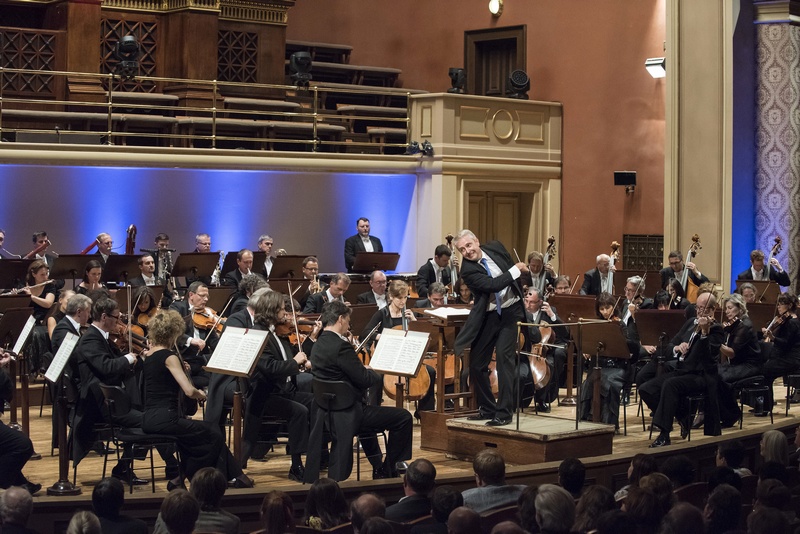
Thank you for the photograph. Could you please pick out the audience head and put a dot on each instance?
(615, 522)
(420, 477)
(277, 513)
(723, 509)
(775, 447)
(555, 508)
(731, 453)
(767, 521)
(508, 527)
(16, 505)
(641, 465)
(444, 500)
(108, 496)
(596, 500)
(84, 522)
(572, 475)
(661, 487)
(326, 501)
(774, 470)
(773, 494)
(376, 525)
(463, 520)
(365, 506)
(679, 469)
(208, 487)
(724, 475)
(180, 511)
(643, 508)
(526, 504)
(489, 467)
(683, 518)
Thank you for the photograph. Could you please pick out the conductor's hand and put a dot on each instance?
(523, 268)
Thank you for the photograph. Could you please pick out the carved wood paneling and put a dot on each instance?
(642, 252)
(28, 49)
(146, 33)
(237, 57)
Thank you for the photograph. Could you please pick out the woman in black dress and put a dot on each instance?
(782, 338)
(201, 444)
(92, 274)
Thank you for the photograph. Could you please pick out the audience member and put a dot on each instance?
(526, 508)
(16, 505)
(83, 522)
(615, 522)
(595, 501)
(775, 447)
(683, 518)
(774, 470)
(326, 506)
(490, 477)
(179, 511)
(376, 525)
(208, 487)
(365, 506)
(661, 487)
(571, 476)
(508, 527)
(767, 521)
(444, 500)
(724, 475)
(463, 520)
(723, 509)
(679, 469)
(641, 465)
(418, 482)
(108, 497)
(643, 509)
(731, 453)
(555, 509)
(774, 494)
(277, 513)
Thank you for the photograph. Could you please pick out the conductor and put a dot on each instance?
(492, 324)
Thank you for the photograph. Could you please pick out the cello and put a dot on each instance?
(776, 248)
(689, 287)
(614, 256)
(548, 255)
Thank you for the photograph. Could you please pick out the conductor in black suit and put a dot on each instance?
(361, 242)
(436, 269)
(759, 271)
(492, 324)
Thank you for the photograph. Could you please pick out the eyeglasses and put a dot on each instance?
(117, 316)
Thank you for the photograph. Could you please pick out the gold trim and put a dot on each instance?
(502, 119)
(254, 12)
(162, 6)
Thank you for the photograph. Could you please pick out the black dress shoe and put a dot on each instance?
(173, 486)
(479, 417)
(699, 420)
(32, 487)
(684, 429)
(129, 477)
(498, 422)
(542, 407)
(297, 473)
(661, 441)
(381, 472)
(242, 481)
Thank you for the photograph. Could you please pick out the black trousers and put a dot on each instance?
(296, 413)
(17, 450)
(666, 395)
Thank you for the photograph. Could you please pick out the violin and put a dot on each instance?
(776, 323)
(207, 319)
(119, 336)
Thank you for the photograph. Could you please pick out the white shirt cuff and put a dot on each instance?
(515, 272)
(131, 358)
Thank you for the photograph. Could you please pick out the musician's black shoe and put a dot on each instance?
(129, 477)
(171, 485)
(242, 481)
(543, 407)
(382, 472)
(684, 428)
(699, 420)
(479, 417)
(497, 421)
(32, 487)
(661, 441)
(297, 473)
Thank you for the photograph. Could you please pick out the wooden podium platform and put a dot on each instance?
(539, 439)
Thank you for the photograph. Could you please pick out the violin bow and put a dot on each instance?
(219, 318)
(294, 315)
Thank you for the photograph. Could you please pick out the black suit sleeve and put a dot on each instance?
(350, 249)
(586, 287)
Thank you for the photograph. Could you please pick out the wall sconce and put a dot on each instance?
(496, 8)
(627, 179)
(656, 66)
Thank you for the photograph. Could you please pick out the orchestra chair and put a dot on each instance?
(749, 390)
(101, 430)
(695, 402)
(792, 383)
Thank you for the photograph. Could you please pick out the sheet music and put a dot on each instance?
(23, 337)
(399, 352)
(237, 351)
(61, 357)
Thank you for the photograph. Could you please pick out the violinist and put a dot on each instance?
(336, 289)
(311, 272)
(675, 270)
(244, 265)
(92, 274)
(758, 271)
(740, 354)
(249, 284)
(596, 279)
(463, 294)
(748, 292)
(194, 348)
(144, 302)
(60, 313)
(265, 244)
(538, 311)
(436, 269)
(377, 291)
(437, 297)
(104, 244)
(783, 337)
(538, 272)
(677, 296)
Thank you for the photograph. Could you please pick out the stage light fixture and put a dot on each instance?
(518, 85)
(427, 149)
(458, 79)
(656, 66)
(496, 7)
(300, 65)
(127, 53)
(413, 148)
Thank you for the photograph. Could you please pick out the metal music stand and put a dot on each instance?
(366, 262)
(70, 267)
(287, 266)
(121, 268)
(195, 264)
(13, 273)
(11, 324)
(606, 340)
(230, 263)
(766, 290)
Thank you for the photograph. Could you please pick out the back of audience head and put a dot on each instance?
(208, 487)
(723, 508)
(108, 496)
(683, 518)
(774, 470)
(641, 465)
(84, 522)
(615, 522)
(595, 501)
(16, 505)
(420, 476)
(489, 467)
(731, 453)
(661, 487)
(679, 469)
(644, 509)
(326, 501)
(775, 447)
(376, 525)
(508, 527)
(179, 511)
(277, 513)
(772, 494)
(463, 520)
(724, 475)
(767, 521)
(572, 475)
(444, 500)
(555, 508)
(365, 506)
(526, 508)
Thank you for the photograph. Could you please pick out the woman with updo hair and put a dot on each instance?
(92, 274)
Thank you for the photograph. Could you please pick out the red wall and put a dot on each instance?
(587, 54)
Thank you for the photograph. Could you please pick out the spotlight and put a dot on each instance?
(656, 66)
(518, 85)
(127, 54)
(300, 65)
(413, 148)
(458, 78)
(427, 149)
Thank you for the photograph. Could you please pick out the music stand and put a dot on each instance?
(13, 273)
(287, 267)
(653, 324)
(573, 307)
(760, 315)
(766, 290)
(15, 301)
(281, 285)
(366, 262)
(218, 297)
(606, 340)
(230, 263)
(195, 264)
(355, 289)
(121, 268)
(69, 267)
(12, 323)
(360, 316)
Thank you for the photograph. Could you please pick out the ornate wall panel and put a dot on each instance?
(777, 137)
(237, 57)
(146, 32)
(34, 50)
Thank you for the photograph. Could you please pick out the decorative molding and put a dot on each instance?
(254, 12)
(775, 11)
(274, 12)
(162, 6)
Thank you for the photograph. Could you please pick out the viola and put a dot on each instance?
(207, 319)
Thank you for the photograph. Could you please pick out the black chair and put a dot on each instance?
(752, 391)
(119, 404)
(336, 396)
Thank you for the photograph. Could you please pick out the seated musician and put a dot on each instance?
(537, 311)
(697, 348)
(333, 358)
(53, 319)
(361, 242)
(437, 297)
(42, 292)
(541, 276)
(596, 280)
(613, 371)
(748, 292)
(436, 269)
(92, 274)
(249, 284)
(244, 265)
(162, 255)
(310, 272)
(677, 296)
(104, 244)
(740, 354)
(265, 244)
(463, 293)
(377, 290)
(759, 271)
(144, 306)
(336, 289)
(675, 270)
(147, 277)
(562, 285)
(40, 240)
(662, 300)
(783, 339)
(202, 243)
(196, 343)
(3, 252)
(16, 446)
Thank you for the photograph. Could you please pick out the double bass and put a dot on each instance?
(689, 287)
(776, 248)
(541, 285)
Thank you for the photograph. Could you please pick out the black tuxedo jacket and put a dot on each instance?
(526, 280)
(367, 297)
(353, 245)
(560, 332)
(668, 274)
(427, 275)
(411, 508)
(591, 283)
(781, 278)
(315, 302)
(182, 307)
(482, 286)
(232, 278)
